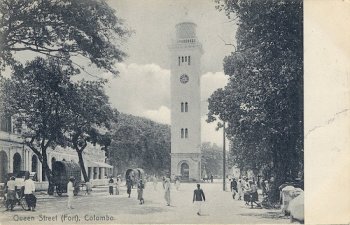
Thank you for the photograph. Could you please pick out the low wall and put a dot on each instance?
(41, 186)
(99, 182)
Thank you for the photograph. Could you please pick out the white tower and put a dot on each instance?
(185, 55)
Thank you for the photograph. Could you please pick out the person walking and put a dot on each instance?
(167, 191)
(110, 184)
(211, 178)
(117, 185)
(70, 192)
(11, 194)
(234, 187)
(128, 187)
(246, 191)
(198, 197)
(140, 187)
(254, 197)
(240, 189)
(177, 183)
(29, 189)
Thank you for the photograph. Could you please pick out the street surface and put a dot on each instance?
(219, 208)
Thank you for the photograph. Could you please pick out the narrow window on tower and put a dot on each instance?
(179, 60)
(189, 60)
(182, 133)
(186, 133)
(185, 58)
(182, 107)
(182, 59)
(186, 107)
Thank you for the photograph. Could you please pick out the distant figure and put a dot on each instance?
(70, 192)
(163, 182)
(140, 188)
(29, 189)
(177, 183)
(167, 191)
(211, 178)
(110, 184)
(117, 185)
(198, 197)
(155, 182)
(240, 189)
(11, 193)
(246, 191)
(128, 187)
(254, 197)
(234, 187)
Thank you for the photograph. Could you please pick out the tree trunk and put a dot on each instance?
(82, 166)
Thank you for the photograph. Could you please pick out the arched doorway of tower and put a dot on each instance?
(185, 171)
(3, 166)
(34, 163)
(17, 161)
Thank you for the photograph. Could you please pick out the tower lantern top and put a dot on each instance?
(185, 30)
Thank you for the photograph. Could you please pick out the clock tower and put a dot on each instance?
(185, 55)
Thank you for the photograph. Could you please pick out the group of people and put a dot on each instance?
(117, 183)
(15, 192)
(247, 189)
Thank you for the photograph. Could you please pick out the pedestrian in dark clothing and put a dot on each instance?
(111, 183)
(211, 178)
(128, 187)
(198, 197)
(234, 188)
(140, 188)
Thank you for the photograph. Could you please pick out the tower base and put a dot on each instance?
(186, 165)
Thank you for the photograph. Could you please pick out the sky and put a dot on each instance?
(143, 86)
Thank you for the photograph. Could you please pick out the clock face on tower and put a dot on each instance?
(184, 78)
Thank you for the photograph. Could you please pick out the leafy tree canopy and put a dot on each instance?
(263, 101)
(64, 28)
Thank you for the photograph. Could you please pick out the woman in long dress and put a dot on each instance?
(128, 187)
(117, 185)
(167, 191)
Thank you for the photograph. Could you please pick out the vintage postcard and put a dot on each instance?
(174, 112)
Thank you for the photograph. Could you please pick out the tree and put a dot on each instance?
(211, 158)
(139, 142)
(263, 101)
(69, 28)
(36, 96)
(90, 118)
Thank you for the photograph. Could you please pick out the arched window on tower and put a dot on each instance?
(182, 58)
(186, 133)
(185, 58)
(179, 60)
(186, 107)
(182, 133)
(182, 107)
(189, 60)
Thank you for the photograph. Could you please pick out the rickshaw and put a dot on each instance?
(135, 175)
(61, 172)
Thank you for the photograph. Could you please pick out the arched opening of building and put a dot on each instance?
(3, 166)
(17, 161)
(34, 163)
(185, 171)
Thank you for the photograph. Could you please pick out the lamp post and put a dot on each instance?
(224, 159)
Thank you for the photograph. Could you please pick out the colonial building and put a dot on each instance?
(185, 58)
(15, 156)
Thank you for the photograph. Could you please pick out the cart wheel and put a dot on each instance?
(24, 204)
(59, 192)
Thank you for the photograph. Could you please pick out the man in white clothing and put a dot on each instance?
(29, 189)
(70, 192)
